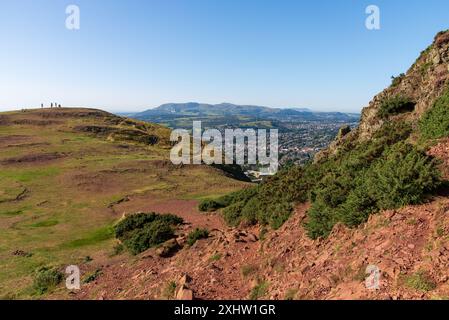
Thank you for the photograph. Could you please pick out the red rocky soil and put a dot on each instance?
(402, 243)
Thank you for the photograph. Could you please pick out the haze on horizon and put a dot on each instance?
(130, 56)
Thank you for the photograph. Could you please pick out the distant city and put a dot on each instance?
(302, 132)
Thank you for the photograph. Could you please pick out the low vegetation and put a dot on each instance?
(395, 81)
(169, 290)
(401, 175)
(420, 281)
(215, 257)
(141, 231)
(196, 235)
(259, 290)
(46, 279)
(385, 172)
(434, 123)
(92, 276)
(248, 270)
(395, 105)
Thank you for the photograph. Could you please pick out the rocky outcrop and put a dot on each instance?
(423, 83)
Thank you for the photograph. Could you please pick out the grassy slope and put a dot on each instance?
(64, 215)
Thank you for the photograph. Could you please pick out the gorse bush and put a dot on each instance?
(270, 203)
(138, 220)
(396, 105)
(209, 205)
(402, 175)
(46, 279)
(196, 235)
(435, 122)
(141, 231)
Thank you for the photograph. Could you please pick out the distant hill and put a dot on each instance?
(181, 114)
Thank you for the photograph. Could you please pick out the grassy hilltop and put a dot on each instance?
(67, 175)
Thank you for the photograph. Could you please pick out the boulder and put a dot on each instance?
(168, 248)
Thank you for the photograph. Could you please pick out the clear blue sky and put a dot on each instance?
(132, 55)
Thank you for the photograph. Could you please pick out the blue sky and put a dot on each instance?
(132, 55)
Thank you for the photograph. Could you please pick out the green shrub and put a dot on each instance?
(138, 220)
(224, 201)
(233, 213)
(271, 202)
(46, 279)
(170, 290)
(209, 205)
(197, 234)
(92, 276)
(434, 123)
(145, 230)
(117, 249)
(259, 290)
(215, 257)
(249, 270)
(401, 176)
(420, 281)
(395, 81)
(396, 105)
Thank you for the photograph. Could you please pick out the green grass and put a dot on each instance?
(259, 291)
(169, 290)
(94, 237)
(11, 213)
(60, 221)
(196, 235)
(92, 276)
(45, 223)
(248, 270)
(215, 257)
(28, 175)
(420, 281)
(46, 279)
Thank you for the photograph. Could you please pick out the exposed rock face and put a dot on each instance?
(423, 83)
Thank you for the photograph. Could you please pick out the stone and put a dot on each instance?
(184, 294)
(168, 248)
(185, 279)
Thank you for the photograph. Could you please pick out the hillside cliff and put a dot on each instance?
(423, 83)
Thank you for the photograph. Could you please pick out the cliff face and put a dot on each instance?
(423, 83)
